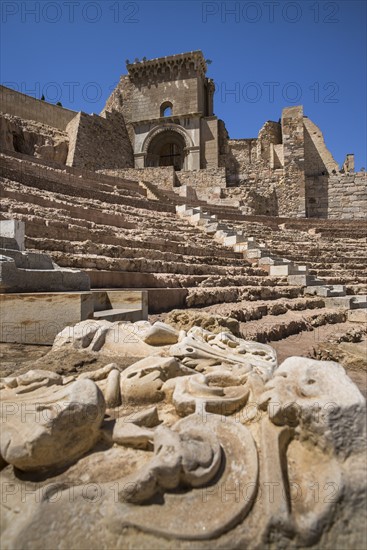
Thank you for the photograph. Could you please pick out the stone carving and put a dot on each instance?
(206, 438)
(52, 427)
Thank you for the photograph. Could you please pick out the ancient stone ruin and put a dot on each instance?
(183, 325)
(159, 126)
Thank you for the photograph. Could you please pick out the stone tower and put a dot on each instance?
(167, 104)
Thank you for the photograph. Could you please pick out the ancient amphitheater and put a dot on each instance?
(205, 298)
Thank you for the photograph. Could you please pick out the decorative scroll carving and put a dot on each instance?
(200, 476)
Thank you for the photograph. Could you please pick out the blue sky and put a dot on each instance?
(266, 54)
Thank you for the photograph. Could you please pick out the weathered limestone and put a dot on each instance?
(37, 318)
(204, 428)
(34, 273)
(13, 230)
(50, 428)
(325, 290)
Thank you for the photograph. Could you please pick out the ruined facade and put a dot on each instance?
(161, 116)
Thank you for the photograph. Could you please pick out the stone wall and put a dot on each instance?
(339, 196)
(144, 102)
(162, 176)
(97, 142)
(27, 107)
(318, 159)
(33, 138)
(208, 184)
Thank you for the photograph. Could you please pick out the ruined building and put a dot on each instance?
(159, 126)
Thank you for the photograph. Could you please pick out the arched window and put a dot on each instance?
(166, 108)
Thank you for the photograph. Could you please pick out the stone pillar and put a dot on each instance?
(292, 193)
(192, 161)
(139, 160)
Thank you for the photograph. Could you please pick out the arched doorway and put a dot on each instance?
(167, 149)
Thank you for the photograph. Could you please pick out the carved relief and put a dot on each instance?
(204, 463)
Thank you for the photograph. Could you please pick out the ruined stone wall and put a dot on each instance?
(251, 159)
(97, 142)
(318, 159)
(165, 177)
(339, 196)
(33, 138)
(162, 176)
(203, 179)
(270, 134)
(29, 108)
(258, 195)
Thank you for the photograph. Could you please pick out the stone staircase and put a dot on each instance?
(259, 254)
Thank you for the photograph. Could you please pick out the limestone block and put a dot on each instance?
(53, 427)
(212, 228)
(160, 334)
(325, 290)
(13, 229)
(348, 302)
(253, 254)
(240, 247)
(234, 239)
(272, 260)
(37, 318)
(358, 316)
(287, 269)
(199, 218)
(301, 280)
(358, 302)
(14, 279)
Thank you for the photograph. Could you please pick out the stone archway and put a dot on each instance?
(167, 149)
(167, 145)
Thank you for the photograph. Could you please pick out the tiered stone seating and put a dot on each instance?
(108, 227)
(102, 229)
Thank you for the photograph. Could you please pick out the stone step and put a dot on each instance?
(326, 290)
(284, 325)
(113, 315)
(273, 261)
(287, 269)
(84, 261)
(203, 296)
(212, 228)
(348, 302)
